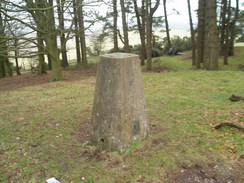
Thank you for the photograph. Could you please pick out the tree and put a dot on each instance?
(115, 25)
(226, 45)
(233, 29)
(60, 7)
(207, 35)
(192, 35)
(141, 23)
(5, 66)
(125, 26)
(210, 57)
(167, 26)
(200, 33)
(77, 40)
(223, 25)
(41, 51)
(43, 15)
(82, 31)
(149, 19)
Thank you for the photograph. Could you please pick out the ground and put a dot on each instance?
(45, 128)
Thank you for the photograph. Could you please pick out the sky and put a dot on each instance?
(181, 22)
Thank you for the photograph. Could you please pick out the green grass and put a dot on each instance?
(44, 128)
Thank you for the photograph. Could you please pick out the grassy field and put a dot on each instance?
(45, 128)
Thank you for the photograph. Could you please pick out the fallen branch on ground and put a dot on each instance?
(231, 124)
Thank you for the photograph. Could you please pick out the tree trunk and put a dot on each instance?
(16, 54)
(60, 8)
(5, 66)
(44, 19)
(149, 11)
(125, 27)
(223, 26)
(167, 26)
(49, 62)
(192, 35)
(141, 28)
(149, 35)
(54, 55)
(226, 45)
(115, 25)
(200, 33)
(77, 41)
(41, 58)
(51, 42)
(233, 29)
(211, 43)
(82, 32)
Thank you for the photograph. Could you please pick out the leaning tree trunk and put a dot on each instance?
(192, 35)
(115, 25)
(125, 27)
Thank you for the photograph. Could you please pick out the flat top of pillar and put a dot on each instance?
(119, 55)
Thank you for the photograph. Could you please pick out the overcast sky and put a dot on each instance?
(181, 22)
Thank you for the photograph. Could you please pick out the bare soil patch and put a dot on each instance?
(210, 173)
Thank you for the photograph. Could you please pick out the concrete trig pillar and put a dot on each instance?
(118, 116)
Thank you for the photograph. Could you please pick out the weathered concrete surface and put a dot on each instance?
(119, 115)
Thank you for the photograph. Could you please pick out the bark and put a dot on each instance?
(200, 33)
(149, 16)
(5, 66)
(125, 27)
(167, 26)
(41, 58)
(192, 35)
(149, 35)
(223, 26)
(16, 54)
(115, 25)
(141, 27)
(226, 45)
(82, 32)
(49, 62)
(77, 40)
(233, 29)
(210, 59)
(44, 19)
(60, 8)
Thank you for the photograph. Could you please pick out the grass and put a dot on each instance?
(45, 127)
